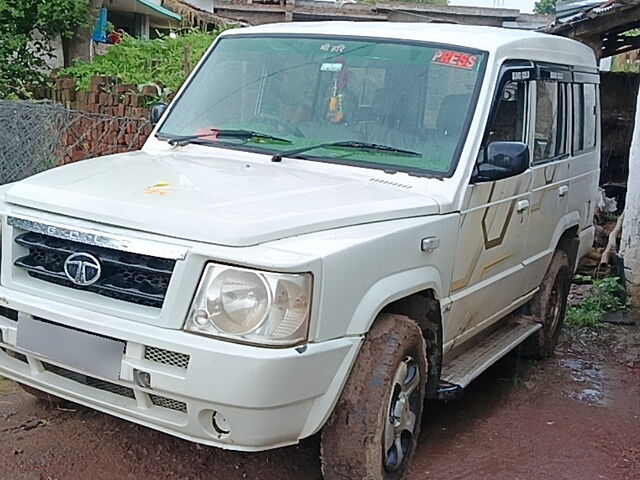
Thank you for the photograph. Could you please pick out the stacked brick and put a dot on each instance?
(108, 118)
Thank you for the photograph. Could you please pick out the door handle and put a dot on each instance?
(522, 205)
(563, 190)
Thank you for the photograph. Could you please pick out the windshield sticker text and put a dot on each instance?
(331, 67)
(327, 47)
(455, 59)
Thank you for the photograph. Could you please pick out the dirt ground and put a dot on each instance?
(575, 416)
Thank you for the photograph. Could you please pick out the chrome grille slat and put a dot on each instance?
(24, 241)
(89, 236)
(126, 276)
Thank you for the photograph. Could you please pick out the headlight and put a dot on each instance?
(252, 306)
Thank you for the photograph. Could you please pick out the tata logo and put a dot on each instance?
(82, 269)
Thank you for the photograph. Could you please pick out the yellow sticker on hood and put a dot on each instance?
(160, 188)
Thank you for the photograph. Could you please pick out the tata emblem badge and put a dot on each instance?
(82, 269)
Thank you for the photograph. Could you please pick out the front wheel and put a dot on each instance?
(373, 430)
(548, 307)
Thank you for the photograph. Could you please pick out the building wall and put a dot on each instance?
(206, 5)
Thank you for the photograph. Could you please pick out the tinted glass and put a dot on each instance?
(509, 122)
(550, 127)
(585, 116)
(590, 116)
(311, 91)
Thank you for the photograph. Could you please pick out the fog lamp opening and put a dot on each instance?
(220, 425)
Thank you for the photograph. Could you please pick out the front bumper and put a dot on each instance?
(204, 390)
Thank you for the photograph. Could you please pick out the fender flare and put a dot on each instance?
(570, 220)
(390, 289)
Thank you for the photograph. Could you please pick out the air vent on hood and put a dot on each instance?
(391, 184)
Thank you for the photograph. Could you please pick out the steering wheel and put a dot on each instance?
(282, 123)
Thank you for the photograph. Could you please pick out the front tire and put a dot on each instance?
(548, 307)
(373, 430)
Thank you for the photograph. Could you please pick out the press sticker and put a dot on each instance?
(455, 59)
(331, 67)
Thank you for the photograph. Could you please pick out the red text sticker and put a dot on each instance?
(455, 59)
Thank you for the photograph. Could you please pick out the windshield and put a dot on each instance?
(333, 99)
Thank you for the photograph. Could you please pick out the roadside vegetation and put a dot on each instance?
(164, 61)
(604, 296)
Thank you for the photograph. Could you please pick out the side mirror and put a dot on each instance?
(156, 112)
(502, 160)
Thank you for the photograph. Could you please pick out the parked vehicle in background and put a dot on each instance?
(331, 222)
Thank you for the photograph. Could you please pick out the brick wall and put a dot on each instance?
(110, 117)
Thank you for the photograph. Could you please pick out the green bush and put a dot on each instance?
(602, 298)
(138, 61)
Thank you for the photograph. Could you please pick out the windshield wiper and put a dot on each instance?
(181, 141)
(355, 144)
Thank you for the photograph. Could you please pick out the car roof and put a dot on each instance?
(521, 44)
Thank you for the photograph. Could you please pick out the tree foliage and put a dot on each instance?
(545, 6)
(26, 27)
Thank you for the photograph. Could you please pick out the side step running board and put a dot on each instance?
(460, 371)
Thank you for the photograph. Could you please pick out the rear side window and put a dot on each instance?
(585, 118)
(551, 121)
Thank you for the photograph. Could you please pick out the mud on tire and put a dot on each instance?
(384, 392)
(548, 307)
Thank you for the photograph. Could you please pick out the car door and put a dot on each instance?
(494, 219)
(550, 169)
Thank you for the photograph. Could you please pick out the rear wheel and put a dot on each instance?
(548, 307)
(373, 430)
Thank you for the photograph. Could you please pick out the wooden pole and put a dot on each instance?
(187, 59)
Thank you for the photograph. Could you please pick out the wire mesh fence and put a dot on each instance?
(36, 136)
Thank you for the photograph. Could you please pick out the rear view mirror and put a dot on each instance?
(502, 160)
(156, 112)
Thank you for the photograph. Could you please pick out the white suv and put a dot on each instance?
(329, 223)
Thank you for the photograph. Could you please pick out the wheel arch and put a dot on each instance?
(424, 308)
(569, 242)
(566, 238)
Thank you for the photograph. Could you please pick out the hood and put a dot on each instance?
(212, 199)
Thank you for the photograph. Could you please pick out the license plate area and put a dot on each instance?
(93, 354)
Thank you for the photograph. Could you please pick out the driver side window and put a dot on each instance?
(509, 122)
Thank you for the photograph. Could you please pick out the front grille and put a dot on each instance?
(169, 403)
(114, 388)
(166, 357)
(90, 381)
(126, 276)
